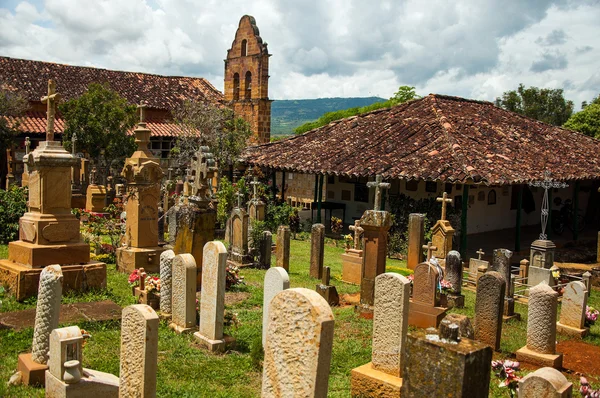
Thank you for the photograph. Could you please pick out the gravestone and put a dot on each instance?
(547, 383)
(586, 278)
(424, 309)
(256, 207)
(541, 329)
(95, 196)
(298, 346)
(475, 263)
(276, 280)
(416, 239)
(238, 253)
(489, 304)
(143, 174)
(183, 302)
(139, 352)
(509, 301)
(541, 254)
(524, 270)
(501, 263)
(454, 275)
(383, 375)
(317, 250)
(572, 311)
(264, 252)
(327, 291)
(212, 300)
(442, 232)
(465, 329)
(352, 258)
(33, 366)
(539, 275)
(282, 249)
(166, 282)
(441, 365)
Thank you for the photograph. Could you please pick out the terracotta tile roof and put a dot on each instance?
(440, 138)
(35, 123)
(160, 92)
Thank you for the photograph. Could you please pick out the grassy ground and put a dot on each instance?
(186, 371)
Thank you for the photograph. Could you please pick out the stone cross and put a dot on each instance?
(358, 230)
(166, 281)
(298, 345)
(254, 184)
(142, 107)
(27, 145)
(479, 253)
(276, 280)
(73, 142)
(445, 200)
(489, 305)
(51, 99)
(47, 312)
(430, 249)
(183, 293)
(239, 199)
(378, 185)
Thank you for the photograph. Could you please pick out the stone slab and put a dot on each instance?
(368, 382)
(457, 301)
(22, 281)
(69, 313)
(216, 346)
(38, 256)
(329, 293)
(571, 331)
(32, 373)
(130, 258)
(524, 354)
(351, 268)
(92, 384)
(424, 316)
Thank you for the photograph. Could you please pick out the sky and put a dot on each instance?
(327, 48)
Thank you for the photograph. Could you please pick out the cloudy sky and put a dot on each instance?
(327, 48)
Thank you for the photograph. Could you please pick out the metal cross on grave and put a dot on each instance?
(479, 253)
(254, 184)
(51, 99)
(142, 107)
(239, 199)
(27, 145)
(444, 199)
(547, 183)
(430, 249)
(358, 230)
(378, 185)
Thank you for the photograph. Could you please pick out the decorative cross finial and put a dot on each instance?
(358, 230)
(239, 199)
(73, 141)
(547, 183)
(430, 249)
(27, 145)
(444, 199)
(326, 278)
(378, 185)
(480, 253)
(142, 107)
(254, 184)
(51, 99)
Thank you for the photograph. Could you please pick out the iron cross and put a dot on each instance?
(254, 184)
(444, 199)
(51, 99)
(142, 107)
(378, 185)
(239, 199)
(430, 249)
(358, 230)
(480, 253)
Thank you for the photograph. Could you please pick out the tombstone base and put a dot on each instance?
(32, 373)
(130, 258)
(78, 201)
(524, 354)
(352, 267)
(457, 301)
(240, 260)
(22, 281)
(425, 316)
(329, 293)
(571, 331)
(92, 384)
(365, 381)
(219, 346)
(33, 255)
(151, 299)
(364, 311)
(180, 329)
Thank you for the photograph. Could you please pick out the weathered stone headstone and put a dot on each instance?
(239, 237)
(212, 300)
(317, 250)
(139, 352)
(352, 258)
(264, 252)
(327, 291)
(572, 311)
(475, 263)
(256, 207)
(545, 382)
(424, 307)
(509, 300)
(541, 328)
(454, 275)
(282, 252)
(166, 282)
(524, 270)
(501, 263)
(541, 254)
(276, 280)
(539, 275)
(442, 232)
(465, 329)
(489, 304)
(32, 366)
(416, 239)
(382, 376)
(441, 365)
(183, 303)
(298, 346)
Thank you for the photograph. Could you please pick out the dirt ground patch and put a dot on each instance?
(580, 357)
(232, 298)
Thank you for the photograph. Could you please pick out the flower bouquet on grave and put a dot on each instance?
(134, 279)
(152, 291)
(591, 315)
(586, 390)
(506, 372)
(232, 277)
(444, 288)
(348, 241)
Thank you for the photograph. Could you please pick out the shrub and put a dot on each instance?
(13, 204)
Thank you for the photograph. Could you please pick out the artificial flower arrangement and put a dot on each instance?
(348, 241)
(591, 315)
(506, 372)
(445, 286)
(147, 290)
(586, 390)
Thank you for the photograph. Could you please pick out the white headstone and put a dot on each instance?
(276, 280)
(183, 318)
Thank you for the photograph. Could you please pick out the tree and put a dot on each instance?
(587, 121)
(204, 124)
(100, 118)
(12, 105)
(546, 105)
(404, 93)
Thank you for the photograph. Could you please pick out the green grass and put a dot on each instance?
(186, 371)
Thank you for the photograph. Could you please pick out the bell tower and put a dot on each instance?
(247, 80)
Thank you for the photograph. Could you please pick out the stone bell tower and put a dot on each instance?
(247, 79)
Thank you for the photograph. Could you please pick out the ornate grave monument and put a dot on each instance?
(256, 207)
(352, 258)
(442, 232)
(238, 252)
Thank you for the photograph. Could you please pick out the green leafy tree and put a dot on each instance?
(100, 118)
(546, 105)
(11, 105)
(587, 121)
(404, 93)
(13, 204)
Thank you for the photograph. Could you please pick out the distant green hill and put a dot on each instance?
(286, 115)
